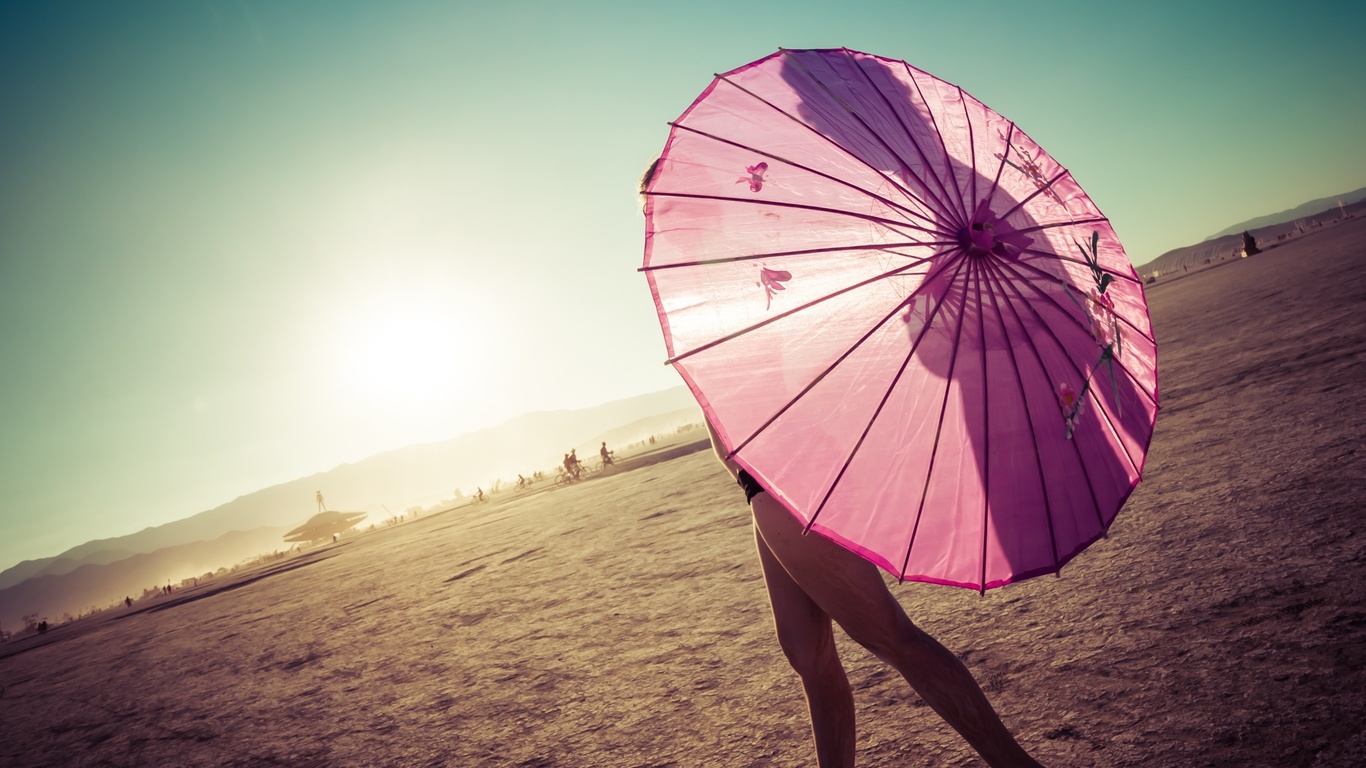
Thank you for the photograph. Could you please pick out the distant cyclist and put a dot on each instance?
(606, 455)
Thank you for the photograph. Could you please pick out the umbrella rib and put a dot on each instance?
(1039, 191)
(929, 278)
(938, 432)
(1026, 281)
(996, 182)
(794, 164)
(992, 280)
(1080, 262)
(939, 209)
(944, 208)
(885, 247)
(1084, 375)
(986, 425)
(914, 142)
(885, 397)
(781, 315)
(1046, 275)
(972, 150)
(1057, 224)
(1086, 473)
(966, 215)
(888, 223)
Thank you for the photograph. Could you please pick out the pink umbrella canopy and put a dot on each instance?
(902, 316)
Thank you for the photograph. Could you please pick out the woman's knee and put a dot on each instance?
(808, 650)
(886, 637)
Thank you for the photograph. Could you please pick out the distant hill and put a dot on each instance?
(1308, 209)
(99, 585)
(390, 481)
(1229, 246)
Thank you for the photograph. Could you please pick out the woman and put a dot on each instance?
(812, 581)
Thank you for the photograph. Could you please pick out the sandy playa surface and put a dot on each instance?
(623, 622)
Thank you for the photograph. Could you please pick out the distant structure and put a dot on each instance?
(324, 526)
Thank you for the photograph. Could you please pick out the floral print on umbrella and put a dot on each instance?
(1029, 168)
(771, 280)
(1104, 325)
(755, 176)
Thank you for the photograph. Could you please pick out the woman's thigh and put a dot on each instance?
(845, 586)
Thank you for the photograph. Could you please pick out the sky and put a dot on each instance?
(242, 242)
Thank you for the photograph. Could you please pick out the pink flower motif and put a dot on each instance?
(1100, 307)
(1103, 301)
(756, 176)
(1030, 169)
(771, 280)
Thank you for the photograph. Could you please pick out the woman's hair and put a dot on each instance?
(649, 174)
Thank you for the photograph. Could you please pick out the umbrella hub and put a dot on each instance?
(978, 241)
(990, 236)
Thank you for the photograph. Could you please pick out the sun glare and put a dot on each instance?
(401, 356)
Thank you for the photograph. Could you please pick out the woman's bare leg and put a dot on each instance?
(808, 641)
(851, 591)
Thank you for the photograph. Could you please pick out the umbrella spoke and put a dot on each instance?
(971, 202)
(781, 315)
(938, 432)
(1029, 414)
(1046, 277)
(1025, 279)
(929, 320)
(884, 247)
(832, 366)
(963, 216)
(1081, 262)
(1085, 375)
(842, 182)
(1047, 187)
(986, 421)
(944, 207)
(1057, 224)
(996, 180)
(888, 223)
(966, 215)
(1038, 357)
(938, 207)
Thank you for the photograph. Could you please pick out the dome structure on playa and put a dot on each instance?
(324, 525)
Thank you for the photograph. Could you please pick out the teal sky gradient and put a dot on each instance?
(222, 222)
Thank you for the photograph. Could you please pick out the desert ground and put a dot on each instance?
(622, 621)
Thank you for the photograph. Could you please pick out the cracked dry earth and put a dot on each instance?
(623, 622)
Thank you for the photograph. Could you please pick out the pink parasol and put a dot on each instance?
(902, 316)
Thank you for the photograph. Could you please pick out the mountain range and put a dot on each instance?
(97, 573)
(1268, 231)
(1300, 211)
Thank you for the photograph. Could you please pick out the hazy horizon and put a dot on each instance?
(242, 243)
(536, 451)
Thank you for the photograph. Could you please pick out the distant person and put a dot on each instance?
(571, 463)
(127, 602)
(321, 506)
(605, 454)
(479, 494)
